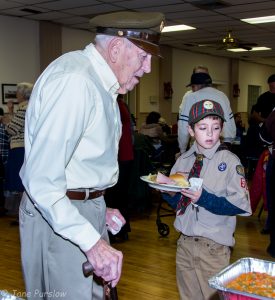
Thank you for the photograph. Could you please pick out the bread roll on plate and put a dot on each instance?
(179, 179)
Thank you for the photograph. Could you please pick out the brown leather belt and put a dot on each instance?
(77, 195)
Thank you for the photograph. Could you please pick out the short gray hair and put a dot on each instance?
(25, 89)
(102, 39)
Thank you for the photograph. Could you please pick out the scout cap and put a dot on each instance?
(203, 109)
(200, 78)
(141, 28)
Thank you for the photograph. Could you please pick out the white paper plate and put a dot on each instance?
(162, 187)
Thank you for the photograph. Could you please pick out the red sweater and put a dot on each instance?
(125, 151)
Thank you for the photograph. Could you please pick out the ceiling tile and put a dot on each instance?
(212, 25)
(53, 15)
(67, 4)
(18, 11)
(93, 10)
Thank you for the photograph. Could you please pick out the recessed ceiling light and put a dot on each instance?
(267, 19)
(253, 49)
(177, 28)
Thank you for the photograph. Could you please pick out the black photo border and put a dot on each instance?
(7, 87)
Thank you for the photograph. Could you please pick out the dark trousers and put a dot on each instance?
(118, 195)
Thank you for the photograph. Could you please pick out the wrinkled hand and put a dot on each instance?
(106, 261)
(193, 195)
(110, 220)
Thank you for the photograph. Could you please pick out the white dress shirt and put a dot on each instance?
(71, 139)
(207, 93)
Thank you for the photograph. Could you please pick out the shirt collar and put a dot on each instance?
(105, 73)
(208, 153)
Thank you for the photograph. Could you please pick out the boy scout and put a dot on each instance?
(206, 218)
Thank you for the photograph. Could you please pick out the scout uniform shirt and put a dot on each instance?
(223, 176)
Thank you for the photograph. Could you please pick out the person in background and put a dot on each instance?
(118, 195)
(153, 129)
(196, 69)
(267, 134)
(72, 134)
(200, 69)
(10, 113)
(206, 217)
(165, 127)
(202, 89)
(265, 103)
(15, 129)
(4, 151)
(253, 147)
(240, 128)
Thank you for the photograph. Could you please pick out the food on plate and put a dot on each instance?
(174, 179)
(179, 179)
(254, 282)
(162, 179)
(152, 177)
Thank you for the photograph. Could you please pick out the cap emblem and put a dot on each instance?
(208, 105)
(120, 33)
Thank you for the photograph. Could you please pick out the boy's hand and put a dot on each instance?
(193, 195)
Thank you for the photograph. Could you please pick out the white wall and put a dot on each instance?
(149, 89)
(19, 51)
(73, 39)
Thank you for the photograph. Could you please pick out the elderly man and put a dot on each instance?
(71, 139)
(202, 89)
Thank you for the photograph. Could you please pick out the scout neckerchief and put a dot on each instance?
(195, 172)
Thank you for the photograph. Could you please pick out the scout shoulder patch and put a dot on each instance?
(240, 170)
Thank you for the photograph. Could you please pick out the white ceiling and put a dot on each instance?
(212, 19)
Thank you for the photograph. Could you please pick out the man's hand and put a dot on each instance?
(114, 220)
(106, 261)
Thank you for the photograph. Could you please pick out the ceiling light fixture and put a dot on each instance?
(177, 28)
(253, 49)
(267, 19)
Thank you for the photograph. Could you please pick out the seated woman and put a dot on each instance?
(153, 129)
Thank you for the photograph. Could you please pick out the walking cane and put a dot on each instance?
(110, 293)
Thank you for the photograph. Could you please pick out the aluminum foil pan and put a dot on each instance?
(6, 296)
(243, 265)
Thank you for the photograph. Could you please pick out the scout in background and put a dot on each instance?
(206, 217)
